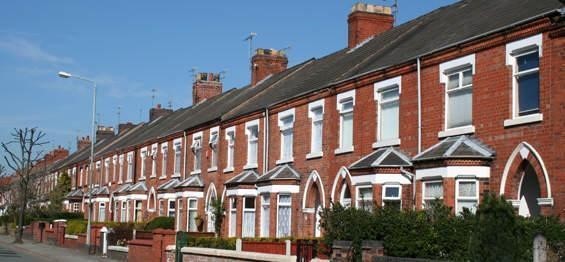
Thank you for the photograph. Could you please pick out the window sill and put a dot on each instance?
(250, 166)
(463, 130)
(388, 142)
(314, 155)
(284, 161)
(163, 177)
(175, 175)
(340, 151)
(120, 182)
(142, 178)
(128, 181)
(520, 120)
(545, 201)
(212, 169)
(153, 176)
(228, 170)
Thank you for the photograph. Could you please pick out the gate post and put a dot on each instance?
(104, 238)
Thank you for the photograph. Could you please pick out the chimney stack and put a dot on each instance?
(366, 20)
(123, 127)
(205, 86)
(266, 62)
(157, 112)
(104, 132)
(83, 142)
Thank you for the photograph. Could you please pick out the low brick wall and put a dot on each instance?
(341, 250)
(221, 255)
(140, 250)
(75, 241)
(278, 248)
(118, 253)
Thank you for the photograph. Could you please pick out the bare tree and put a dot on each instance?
(21, 155)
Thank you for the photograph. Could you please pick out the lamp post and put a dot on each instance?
(92, 142)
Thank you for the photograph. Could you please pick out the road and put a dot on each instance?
(10, 253)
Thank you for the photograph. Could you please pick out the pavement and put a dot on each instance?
(32, 252)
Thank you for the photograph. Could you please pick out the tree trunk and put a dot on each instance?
(20, 230)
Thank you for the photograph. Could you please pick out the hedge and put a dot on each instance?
(76, 226)
(160, 222)
(212, 242)
(494, 233)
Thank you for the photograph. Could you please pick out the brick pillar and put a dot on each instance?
(161, 239)
(60, 226)
(95, 235)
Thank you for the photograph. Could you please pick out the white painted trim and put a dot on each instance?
(228, 169)
(511, 159)
(341, 174)
(476, 198)
(177, 141)
(313, 178)
(190, 194)
(380, 179)
(344, 96)
(383, 197)
(469, 59)
(241, 192)
(456, 131)
(453, 171)
(535, 40)
(152, 193)
(277, 212)
(314, 155)
(315, 104)
(340, 151)
(284, 161)
(209, 193)
(119, 248)
(385, 143)
(250, 124)
(237, 255)
(250, 166)
(358, 189)
(520, 120)
(167, 196)
(286, 113)
(130, 197)
(545, 201)
(279, 189)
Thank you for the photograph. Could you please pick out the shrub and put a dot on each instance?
(212, 242)
(160, 222)
(120, 233)
(76, 226)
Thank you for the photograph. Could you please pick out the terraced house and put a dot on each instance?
(465, 100)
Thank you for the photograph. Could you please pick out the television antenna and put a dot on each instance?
(249, 39)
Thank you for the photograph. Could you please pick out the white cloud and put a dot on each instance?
(23, 48)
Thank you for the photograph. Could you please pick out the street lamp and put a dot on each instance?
(63, 74)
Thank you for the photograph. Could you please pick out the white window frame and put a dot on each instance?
(196, 147)
(525, 44)
(101, 215)
(232, 231)
(358, 196)
(80, 177)
(230, 152)
(248, 210)
(385, 198)
(312, 107)
(265, 223)
(169, 207)
(188, 210)
(123, 211)
(424, 198)
(106, 171)
(130, 166)
(343, 98)
(178, 214)
(457, 197)
(342, 197)
(116, 210)
(164, 160)
(288, 129)
(135, 209)
(143, 165)
(76, 207)
(114, 167)
(279, 204)
(378, 89)
(248, 126)
(161, 207)
(446, 69)
(154, 160)
(213, 142)
(177, 160)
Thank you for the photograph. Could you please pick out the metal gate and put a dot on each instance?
(181, 241)
(306, 250)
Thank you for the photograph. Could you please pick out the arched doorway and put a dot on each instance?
(529, 192)
(314, 201)
(210, 199)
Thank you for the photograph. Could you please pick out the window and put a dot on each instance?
(123, 213)
(178, 161)
(197, 151)
(171, 209)
(192, 214)
(101, 212)
(286, 123)
(80, 176)
(252, 145)
(317, 115)
(346, 102)
(121, 169)
(213, 149)
(116, 210)
(154, 160)
(467, 195)
(283, 216)
(179, 217)
(76, 207)
(164, 152)
(345, 199)
(114, 165)
(524, 55)
(210, 215)
(161, 207)
(230, 137)
(143, 157)
(433, 191)
(138, 214)
(459, 97)
(392, 196)
(130, 167)
(265, 214)
(233, 216)
(106, 171)
(365, 198)
(388, 111)
(248, 217)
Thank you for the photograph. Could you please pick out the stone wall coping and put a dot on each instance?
(59, 220)
(170, 247)
(71, 236)
(141, 242)
(250, 256)
(118, 248)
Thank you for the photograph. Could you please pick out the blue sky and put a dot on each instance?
(131, 47)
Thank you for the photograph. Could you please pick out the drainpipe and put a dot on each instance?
(419, 105)
(266, 141)
(185, 153)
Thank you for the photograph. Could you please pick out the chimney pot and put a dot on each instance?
(366, 21)
(205, 86)
(267, 62)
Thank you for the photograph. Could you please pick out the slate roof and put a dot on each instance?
(383, 157)
(456, 147)
(122, 189)
(247, 177)
(74, 194)
(282, 172)
(137, 187)
(191, 181)
(168, 185)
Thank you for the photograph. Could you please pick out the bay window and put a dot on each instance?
(392, 196)
(123, 213)
(365, 197)
(467, 191)
(179, 216)
(265, 214)
(433, 191)
(171, 211)
(233, 216)
(284, 215)
(192, 214)
(248, 217)
(138, 215)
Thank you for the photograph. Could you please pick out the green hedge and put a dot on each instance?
(212, 242)
(76, 226)
(160, 222)
(494, 233)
